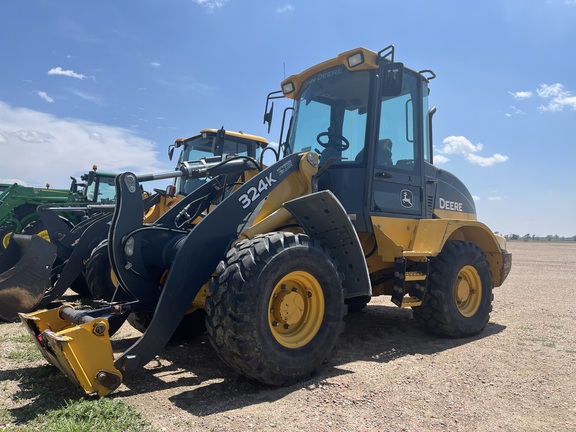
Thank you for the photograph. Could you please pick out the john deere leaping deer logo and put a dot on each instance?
(406, 198)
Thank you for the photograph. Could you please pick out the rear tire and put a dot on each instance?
(458, 301)
(276, 308)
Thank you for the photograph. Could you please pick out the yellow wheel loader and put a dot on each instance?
(276, 256)
(38, 271)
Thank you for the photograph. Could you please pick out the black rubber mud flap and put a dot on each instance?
(23, 285)
(324, 219)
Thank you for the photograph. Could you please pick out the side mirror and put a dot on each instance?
(392, 74)
(171, 151)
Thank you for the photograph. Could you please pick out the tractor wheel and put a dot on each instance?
(99, 273)
(5, 235)
(459, 296)
(36, 228)
(276, 308)
(191, 326)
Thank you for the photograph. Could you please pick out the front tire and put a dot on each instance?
(459, 296)
(99, 275)
(276, 308)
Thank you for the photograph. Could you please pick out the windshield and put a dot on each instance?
(206, 145)
(330, 116)
(106, 190)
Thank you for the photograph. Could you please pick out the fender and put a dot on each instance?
(324, 218)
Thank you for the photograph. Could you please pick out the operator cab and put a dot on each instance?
(367, 118)
(210, 145)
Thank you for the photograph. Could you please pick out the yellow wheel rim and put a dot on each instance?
(6, 239)
(468, 291)
(296, 309)
(44, 235)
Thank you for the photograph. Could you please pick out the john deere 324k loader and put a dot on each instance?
(276, 257)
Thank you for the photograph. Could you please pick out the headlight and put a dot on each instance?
(288, 87)
(355, 60)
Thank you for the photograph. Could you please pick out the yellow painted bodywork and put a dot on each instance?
(82, 352)
(418, 240)
(370, 62)
(263, 142)
(272, 215)
(157, 210)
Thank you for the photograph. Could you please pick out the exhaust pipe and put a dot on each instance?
(26, 265)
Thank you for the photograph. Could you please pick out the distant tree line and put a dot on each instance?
(534, 237)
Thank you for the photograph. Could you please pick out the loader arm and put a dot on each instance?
(197, 256)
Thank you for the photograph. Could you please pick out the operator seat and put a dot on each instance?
(383, 153)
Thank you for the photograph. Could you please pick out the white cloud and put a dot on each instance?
(58, 148)
(458, 145)
(462, 145)
(211, 5)
(559, 98)
(284, 9)
(439, 159)
(95, 99)
(521, 94)
(155, 64)
(486, 161)
(495, 198)
(476, 198)
(68, 73)
(45, 96)
(514, 111)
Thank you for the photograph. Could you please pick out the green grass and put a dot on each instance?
(25, 349)
(86, 415)
(25, 353)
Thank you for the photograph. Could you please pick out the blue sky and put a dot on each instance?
(115, 82)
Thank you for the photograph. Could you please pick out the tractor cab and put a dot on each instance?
(213, 144)
(367, 118)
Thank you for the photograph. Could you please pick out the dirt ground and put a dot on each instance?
(386, 375)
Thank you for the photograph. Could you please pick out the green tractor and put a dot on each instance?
(18, 203)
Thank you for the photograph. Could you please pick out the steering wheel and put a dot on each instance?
(341, 142)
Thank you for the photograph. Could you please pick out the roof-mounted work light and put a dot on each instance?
(356, 59)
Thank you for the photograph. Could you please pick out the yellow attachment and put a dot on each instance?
(468, 291)
(296, 309)
(82, 352)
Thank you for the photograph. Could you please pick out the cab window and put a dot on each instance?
(396, 144)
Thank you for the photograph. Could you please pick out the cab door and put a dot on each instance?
(397, 153)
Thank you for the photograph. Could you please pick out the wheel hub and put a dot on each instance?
(468, 291)
(296, 309)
